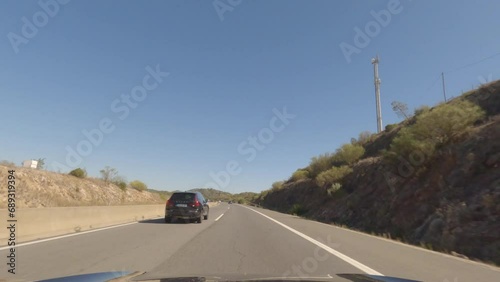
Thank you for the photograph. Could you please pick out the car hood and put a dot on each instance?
(136, 276)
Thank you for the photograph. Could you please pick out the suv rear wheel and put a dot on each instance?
(168, 219)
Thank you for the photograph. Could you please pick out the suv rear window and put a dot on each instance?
(182, 197)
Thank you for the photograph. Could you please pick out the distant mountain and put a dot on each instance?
(163, 194)
(217, 195)
(214, 194)
(246, 197)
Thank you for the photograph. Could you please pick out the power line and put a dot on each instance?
(440, 76)
(474, 63)
(434, 83)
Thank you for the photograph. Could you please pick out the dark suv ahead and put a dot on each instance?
(186, 205)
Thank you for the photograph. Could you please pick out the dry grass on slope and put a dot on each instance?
(39, 188)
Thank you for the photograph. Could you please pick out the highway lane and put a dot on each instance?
(139, 246)
(389, 257)
(245, 240)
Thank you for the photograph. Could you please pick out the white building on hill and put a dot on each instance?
(30, 163)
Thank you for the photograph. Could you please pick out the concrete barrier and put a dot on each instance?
(213, 204)
(33, 224)
(40, 223)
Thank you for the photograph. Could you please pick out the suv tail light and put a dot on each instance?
(196, 203)
(170, 204)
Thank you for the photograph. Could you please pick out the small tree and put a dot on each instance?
(78, 172)
(41, 163)
(401, 109)
(108, 173)
(138, 185)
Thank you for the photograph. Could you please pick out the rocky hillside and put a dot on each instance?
(39, 188)
(446, 201)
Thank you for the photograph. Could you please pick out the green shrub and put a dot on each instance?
(420, 110)
(122, 185)
(297, 209)
(300, 174)
(348, 154)
(334, 188)
(278, 185)
(78, 172)
(264, 193)
(120, 181)
(364, 137)
(319, 164)
(445, 123)
(406, 143)
(138, 185)
(432, 129)
(335, 174)
(390, 127)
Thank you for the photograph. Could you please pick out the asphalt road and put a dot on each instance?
(244, 241)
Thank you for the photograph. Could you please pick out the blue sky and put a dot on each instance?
(228, 70)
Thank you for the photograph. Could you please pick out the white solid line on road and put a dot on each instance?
(219, 217)
(68, 235)
(491, 267)
(338, 254)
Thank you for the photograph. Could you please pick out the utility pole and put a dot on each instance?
(444, 88)
(377, 93)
